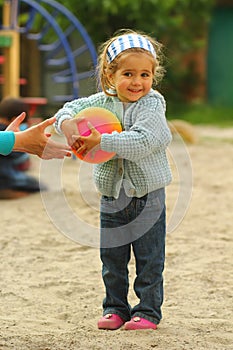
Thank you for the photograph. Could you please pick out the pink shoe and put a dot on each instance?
(110, 321)
(139, 323)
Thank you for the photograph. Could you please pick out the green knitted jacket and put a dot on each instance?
(141, 163)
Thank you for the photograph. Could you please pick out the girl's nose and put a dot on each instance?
(136, 80)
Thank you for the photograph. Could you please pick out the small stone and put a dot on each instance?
(136, 319)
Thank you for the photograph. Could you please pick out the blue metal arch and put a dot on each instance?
(70, 74)
(78, 26)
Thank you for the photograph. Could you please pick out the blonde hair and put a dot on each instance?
(104, 67)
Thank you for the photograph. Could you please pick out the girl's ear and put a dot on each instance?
(111, 80)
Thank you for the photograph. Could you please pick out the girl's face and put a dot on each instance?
(134, 76)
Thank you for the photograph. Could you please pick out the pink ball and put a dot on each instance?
(105, 122)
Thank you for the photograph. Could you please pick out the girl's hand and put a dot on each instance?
(84, 144)
(69, 128)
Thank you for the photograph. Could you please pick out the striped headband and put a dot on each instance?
(128, 41)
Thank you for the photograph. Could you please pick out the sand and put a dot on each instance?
(51, 287)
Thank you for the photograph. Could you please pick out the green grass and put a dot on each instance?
(196, 113)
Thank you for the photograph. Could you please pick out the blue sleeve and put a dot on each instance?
(7, 141)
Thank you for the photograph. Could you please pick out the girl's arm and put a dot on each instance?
(69, 111)
(149, 133)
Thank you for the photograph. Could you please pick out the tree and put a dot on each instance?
(181, 25)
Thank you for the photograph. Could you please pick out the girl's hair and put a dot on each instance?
(104, 68)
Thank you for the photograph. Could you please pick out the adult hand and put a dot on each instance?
(14, 126)
(69, 128)
(34, 140)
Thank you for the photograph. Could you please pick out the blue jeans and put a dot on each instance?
(137, 225)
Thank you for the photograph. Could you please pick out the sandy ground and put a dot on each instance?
(50, 276)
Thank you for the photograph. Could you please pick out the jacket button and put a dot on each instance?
(131, 191)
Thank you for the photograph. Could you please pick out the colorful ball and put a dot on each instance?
(105, 122)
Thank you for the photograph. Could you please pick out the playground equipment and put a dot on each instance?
(68, 56)
(9, 42)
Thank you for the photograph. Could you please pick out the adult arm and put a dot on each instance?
(7, 141)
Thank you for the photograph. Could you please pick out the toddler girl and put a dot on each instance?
(132, 183)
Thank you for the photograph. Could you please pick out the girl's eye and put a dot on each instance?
(143, 75)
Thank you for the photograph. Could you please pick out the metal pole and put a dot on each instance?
(6, 13)
(11, 52)
(14, 14)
